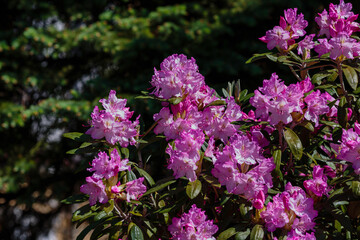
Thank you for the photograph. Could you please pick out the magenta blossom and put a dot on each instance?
(95, 188)
(103, 167)
(277, 37)
(114, 123)
(134, 189)
(184, 156)
(192, 225)
(316, 106)
(318, 185)
(177, 76)
(291, 27)
(350, 147)
(243, 170)
(291, 210)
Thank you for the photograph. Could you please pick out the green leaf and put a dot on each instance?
(84, 212)
(257, 56)
(77, 136)
(125, 152)
(351, 77)
(277, 160)
(100, 215)
(316, 78)
(158, 188)
(175, 100)
(216, 103)
(193, 189)
(257, 233)
(90, 227)
(237, 90)
(242, 235)
(308, 126)
(243, 95)
(294, 143)
(109, 206)
(75, 199)
(228, 233)
(342, 112)
(337, 134)
(342, 218)
(329, 123)
(84, 148)
(355, 186)
(136, 233)
(130, 175)
(325, 86)
(336, 192)
(225, 93)
(272, 57)
(213, 181)
(147, 176)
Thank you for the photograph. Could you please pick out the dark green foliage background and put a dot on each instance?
(58, 58)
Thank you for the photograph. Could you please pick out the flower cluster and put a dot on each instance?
(114, 122)
(100, 186)
(243, 170)
(292, 211)
(338, 25)
(318, 185)
(193, 119)
(349, 149)
(178, 76)
(275, 102)
(192, 225)
(291, 27)
(185, 154)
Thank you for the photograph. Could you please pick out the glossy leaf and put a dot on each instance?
(147, 176)
(351, 76)
(228, 233)
(77, 136)
(294, 143)
(193, 189)
(257, 233)
(158, 187)
(355, 186)
(136, 233)
(75, 199)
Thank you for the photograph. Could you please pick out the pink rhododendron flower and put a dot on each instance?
(182, 117)
(350, 147)
(295, 235)
(134, 189)
(276, 37)
(318, 185)
(116, 106)
(339, 21)
(183, 157)
(95, 188)
(243, 170)
(103, 167)
(296, 22)
(192, 225)
(274, 101)
(292, 210)
(306, 45)
(177, 76)
(316, 106)
(338, 25)
(113, 123)
(291, 27)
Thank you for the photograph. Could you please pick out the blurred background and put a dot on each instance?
(58, 58)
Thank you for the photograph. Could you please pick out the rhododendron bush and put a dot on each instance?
(280, 163)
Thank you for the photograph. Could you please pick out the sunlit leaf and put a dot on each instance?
(294, 143)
